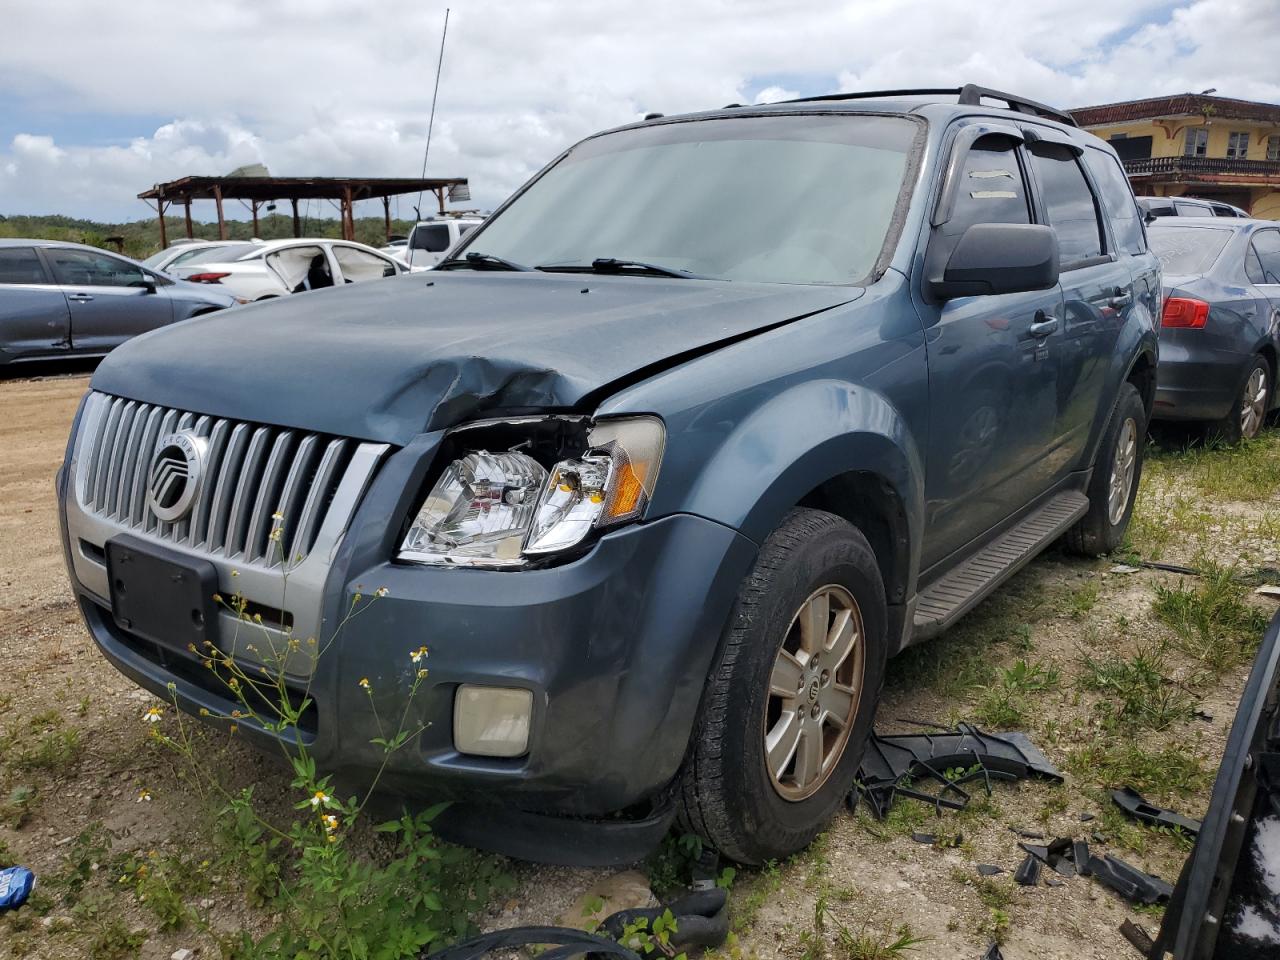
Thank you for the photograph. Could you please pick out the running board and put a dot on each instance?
(946, 600)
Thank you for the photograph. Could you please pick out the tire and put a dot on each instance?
(726, 793)
(1102, 529)
(1239, 423)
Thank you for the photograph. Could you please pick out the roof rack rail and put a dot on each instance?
(970, 95)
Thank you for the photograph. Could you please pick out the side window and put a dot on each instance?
(88, 269)
(1192, 210)
(1117, 200)
(1253, 266)
(1196, 143)
(1266, 244)
(358, 265)
(1238, 143)
(21, 265)
(433, 238)
(990, 190)
(301, 268)
(1068, 202)
(464, 229)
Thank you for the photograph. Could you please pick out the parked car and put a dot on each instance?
(195, 251)
(1187, 207)
(66, 299)
(1220, 332)
(276, 268)
(430, 240)
(662, 484)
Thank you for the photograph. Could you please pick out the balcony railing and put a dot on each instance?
(1195, 168)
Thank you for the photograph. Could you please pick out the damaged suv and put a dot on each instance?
(714, 416)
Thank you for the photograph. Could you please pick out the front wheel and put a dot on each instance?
(792, 695)
(1116, 475)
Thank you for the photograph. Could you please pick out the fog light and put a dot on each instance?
(492, 721)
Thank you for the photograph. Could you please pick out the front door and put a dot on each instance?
(111, 298)
(34, 318)
(992, 371)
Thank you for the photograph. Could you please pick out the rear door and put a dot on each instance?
(356, 265)
(992, 364)
(1262, 267)
(1098, 290)
(111, 299)
(301, 268)
(34, 317)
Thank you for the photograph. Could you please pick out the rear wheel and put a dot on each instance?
(1115, 478)
(1244, 420)
(792, 695)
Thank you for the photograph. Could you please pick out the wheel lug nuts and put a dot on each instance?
(826, 677)
(814, 712)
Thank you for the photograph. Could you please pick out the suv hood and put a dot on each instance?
(389, 359)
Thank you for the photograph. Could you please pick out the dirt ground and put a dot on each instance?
(75, 761)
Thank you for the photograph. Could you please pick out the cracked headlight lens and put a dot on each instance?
(498, 509)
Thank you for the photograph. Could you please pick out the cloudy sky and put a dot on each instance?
(101, 100)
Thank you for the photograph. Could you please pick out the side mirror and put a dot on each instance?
(148, 283)
(996, 258)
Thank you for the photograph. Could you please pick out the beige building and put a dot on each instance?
(1196, 145)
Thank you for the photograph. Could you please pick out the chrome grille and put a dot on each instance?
(252, 473)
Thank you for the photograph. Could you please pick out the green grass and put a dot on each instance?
(1248, 472)
(1210, 619)
(1135, 691)
(1007, 701)
(1156, 772)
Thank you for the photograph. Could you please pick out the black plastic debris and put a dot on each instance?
(1133, 884)
(1137, 807)
(904, 765)
(990, 870)
(1028, 872)
(1080, 856)
(1028, 834)
(1086, 817)
(928, 838)
(702, 920)
(1052, 882)
(993, 953)
(1140, 939)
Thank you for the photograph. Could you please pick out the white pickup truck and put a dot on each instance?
(430, 239)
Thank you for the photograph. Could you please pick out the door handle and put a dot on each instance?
(1043, 326)
(1121, 298)
(79, 297)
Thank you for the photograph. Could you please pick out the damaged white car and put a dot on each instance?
(280, 267)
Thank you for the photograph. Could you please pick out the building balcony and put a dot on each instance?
(1204, 170)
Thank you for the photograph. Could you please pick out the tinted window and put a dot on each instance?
(89, 269)
(1187, 251)
(1266, 243)
(433, 238)
(1068, 203)
(1253, 266)
(991, 188)
(20, 265)
(1193, 210)
(1117, 200)
(787, 199)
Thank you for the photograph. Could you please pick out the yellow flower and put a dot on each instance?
(319, 797)
(418, 655)
(381, 592)
(153, 715)
(364, 682)
(144, 795)
(330, 822)
(422, 674)
(233, 728)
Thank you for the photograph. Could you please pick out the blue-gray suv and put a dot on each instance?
(710, 419)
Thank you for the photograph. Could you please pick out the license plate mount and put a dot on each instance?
(162, 595)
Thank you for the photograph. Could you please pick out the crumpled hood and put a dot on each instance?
(388, 359)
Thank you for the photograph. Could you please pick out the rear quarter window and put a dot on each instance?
(1117, 200)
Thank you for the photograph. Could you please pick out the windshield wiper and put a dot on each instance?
(613, 265)
(480, 261)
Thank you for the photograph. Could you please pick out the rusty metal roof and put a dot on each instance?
(294, 188)
(1178, 105)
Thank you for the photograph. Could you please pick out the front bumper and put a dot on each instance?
(615, 646)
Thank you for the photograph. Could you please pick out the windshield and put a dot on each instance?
(1186, 251)
(787, 199)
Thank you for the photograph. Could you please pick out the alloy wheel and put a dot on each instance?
(814, 691)
(1123, 466)
(1253, 404)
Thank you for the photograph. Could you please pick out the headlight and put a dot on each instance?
(500, 509)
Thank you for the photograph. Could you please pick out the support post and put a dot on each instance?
(164, 239)
(386, 215)
(190, 232)
(440, 198)
(297, 224)
(254, 206)
(348, 221)
(222, 224)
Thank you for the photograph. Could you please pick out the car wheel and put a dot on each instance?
(792, 695)
(1245, 419)
(1115, 479)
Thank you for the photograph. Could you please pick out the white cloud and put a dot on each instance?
(326, 87)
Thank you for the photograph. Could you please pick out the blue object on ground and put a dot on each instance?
(15, 887)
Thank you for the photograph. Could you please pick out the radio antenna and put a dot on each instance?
(432, 121)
